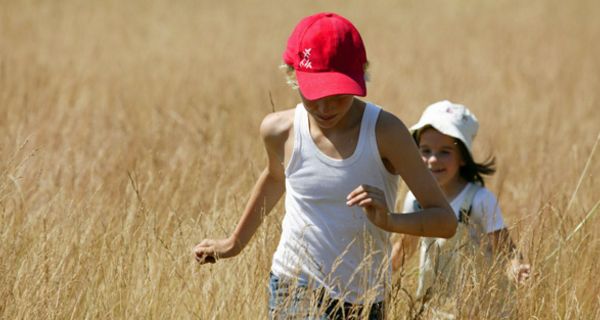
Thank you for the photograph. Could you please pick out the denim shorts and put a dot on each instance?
(295, 299)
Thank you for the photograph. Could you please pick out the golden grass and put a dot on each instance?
(128, 133)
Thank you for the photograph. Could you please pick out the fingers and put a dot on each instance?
(357, 198)
(521, 273)
(524, 272)
(207, 259)
(204, 252)
(368, 202)
(360, 189)
(365, 195)
(211, 250)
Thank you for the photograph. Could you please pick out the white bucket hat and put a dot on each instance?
(451, 119)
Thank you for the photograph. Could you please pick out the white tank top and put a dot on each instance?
(324, 241)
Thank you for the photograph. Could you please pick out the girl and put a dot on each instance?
(445, 136)
(333, 155)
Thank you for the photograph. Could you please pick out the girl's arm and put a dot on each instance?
(501, 243)
(266, 193)
(403, 245)
(402, 249)
(401, 156)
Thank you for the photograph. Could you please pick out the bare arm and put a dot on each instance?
(399, 150)
(402, 249)
(266, 193)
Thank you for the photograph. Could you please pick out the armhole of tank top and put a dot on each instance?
(372, 133)
(297, 140)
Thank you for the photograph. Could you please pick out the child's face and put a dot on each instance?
(328, 111)
(441, 155)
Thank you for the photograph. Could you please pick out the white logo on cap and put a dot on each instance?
(305, 63)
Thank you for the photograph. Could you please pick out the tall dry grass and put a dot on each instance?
(128, 133)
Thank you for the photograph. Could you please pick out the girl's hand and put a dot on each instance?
(372, 200)
(519, 272)
(210, 250)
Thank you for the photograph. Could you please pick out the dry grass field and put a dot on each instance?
(129, 132)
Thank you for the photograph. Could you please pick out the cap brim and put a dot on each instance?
(317, 85)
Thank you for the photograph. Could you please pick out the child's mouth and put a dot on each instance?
(326, 118)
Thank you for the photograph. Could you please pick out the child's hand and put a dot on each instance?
(372, 200)
(519, 272)
(210, 250)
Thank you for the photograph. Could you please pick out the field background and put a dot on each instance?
(129, 132)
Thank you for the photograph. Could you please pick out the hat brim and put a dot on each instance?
(443, 128)
(317, 85)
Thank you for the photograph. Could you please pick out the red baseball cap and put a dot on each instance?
(328, 56)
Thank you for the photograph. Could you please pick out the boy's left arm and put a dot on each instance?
(399, 151)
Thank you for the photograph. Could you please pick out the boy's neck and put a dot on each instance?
(339, 141)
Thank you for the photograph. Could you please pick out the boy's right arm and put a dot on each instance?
(267, 191)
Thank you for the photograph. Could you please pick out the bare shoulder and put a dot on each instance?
(391, 133)
(277, 124)
(275, 130)
(389, 122)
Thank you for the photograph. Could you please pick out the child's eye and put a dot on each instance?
(425, 152)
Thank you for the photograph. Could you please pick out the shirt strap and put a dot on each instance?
(465, 208)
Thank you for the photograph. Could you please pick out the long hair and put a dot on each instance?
(473, 171)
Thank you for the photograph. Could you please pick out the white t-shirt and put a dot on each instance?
(485, 212)
(439, 259)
